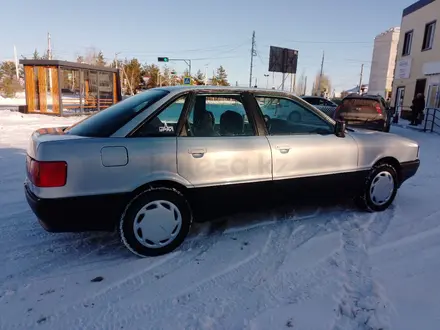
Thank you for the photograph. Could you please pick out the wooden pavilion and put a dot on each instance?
(67, 88)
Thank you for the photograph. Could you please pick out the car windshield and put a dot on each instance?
(108, 121)
(360, 105)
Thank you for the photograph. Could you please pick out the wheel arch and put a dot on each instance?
(161, 183)
(393, 162)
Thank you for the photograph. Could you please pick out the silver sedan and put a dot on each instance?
(151, 164)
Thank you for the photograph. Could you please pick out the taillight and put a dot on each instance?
(378, 109)
(47, 174)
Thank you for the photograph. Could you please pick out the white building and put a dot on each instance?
(383, 62)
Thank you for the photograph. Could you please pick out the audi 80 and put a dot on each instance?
(147, 165)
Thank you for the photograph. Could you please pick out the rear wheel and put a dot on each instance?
(380, 189)
(155, 222)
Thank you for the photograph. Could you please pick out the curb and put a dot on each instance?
(414, 128)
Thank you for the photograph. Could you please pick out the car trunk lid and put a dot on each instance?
(42, 135)
(360, 112)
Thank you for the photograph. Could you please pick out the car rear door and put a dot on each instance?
(231, 151)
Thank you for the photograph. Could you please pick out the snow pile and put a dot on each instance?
(305, 268)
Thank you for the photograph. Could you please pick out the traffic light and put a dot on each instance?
(163, 59)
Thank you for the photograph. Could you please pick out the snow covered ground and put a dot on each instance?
(309, 268)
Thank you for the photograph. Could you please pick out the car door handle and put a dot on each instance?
(197, 152)
(283, 149)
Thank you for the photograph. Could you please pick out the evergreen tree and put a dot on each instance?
(151, 71)
(99, 60)
(35, 55)
(221, 77)
(199, 78)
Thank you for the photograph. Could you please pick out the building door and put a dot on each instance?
(400, 95)
(433, 95)
(420, 87)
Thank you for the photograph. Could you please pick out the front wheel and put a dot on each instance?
(380, 189)
(155, 222)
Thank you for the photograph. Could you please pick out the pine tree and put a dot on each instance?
(221, 77)
(199, 78)
(35, 55)
(100, 61)
(151, 71)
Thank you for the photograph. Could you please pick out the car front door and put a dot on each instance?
(306, 151)
(220, 144)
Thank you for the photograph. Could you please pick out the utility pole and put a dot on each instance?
(305, 86)
(16, 63)
(320, 74)
(49, 57)
(253, 53)
(360, 79)
(116, 60)
(206, 74)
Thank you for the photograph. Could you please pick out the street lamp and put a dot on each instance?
(267, 81)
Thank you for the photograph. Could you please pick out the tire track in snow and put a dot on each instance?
(228, 287)
(131, 284)
(363, 305)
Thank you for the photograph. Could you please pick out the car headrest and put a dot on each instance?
(231, 122)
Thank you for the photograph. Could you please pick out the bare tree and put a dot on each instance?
(323, 84)
(299, 87)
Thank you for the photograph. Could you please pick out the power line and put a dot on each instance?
(174, 51)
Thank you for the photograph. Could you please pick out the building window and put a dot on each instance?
(428, 38)
(407, 42)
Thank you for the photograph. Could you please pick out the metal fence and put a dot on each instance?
(432, 120)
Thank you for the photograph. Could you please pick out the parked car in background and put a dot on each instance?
(150, 164)
(321, 103)
(365, 111)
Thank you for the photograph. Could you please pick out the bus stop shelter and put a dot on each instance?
(67, 88)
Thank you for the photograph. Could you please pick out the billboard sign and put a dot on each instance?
(283, 60)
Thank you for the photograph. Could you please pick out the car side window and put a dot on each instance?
(321, 102)
(287, 117)
(164, 123)
(328, 103)
(218, 115)
(312, 100)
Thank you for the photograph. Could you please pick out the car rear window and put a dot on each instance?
(108, 121)
(359, 105)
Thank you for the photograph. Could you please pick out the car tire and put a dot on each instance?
(380, 189)
(155, 222)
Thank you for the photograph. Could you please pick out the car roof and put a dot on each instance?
(318, 97)
(365, 96)
(182, 88)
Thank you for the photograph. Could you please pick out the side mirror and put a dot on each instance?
(340, 128)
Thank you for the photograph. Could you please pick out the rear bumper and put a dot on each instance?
(77, 214)
(408, 169)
